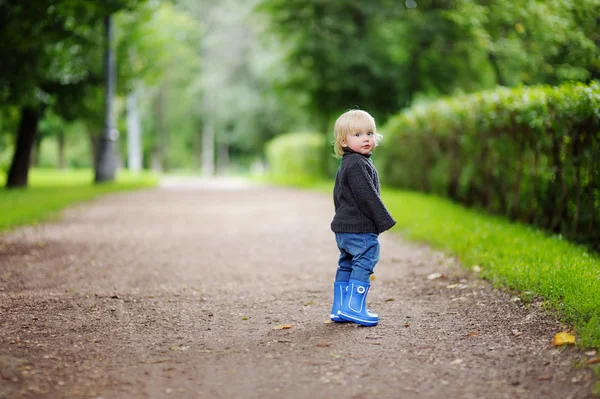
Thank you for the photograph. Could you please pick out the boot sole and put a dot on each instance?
(337, 319)
(357, 320)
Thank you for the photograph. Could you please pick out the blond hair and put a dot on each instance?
(352, 121)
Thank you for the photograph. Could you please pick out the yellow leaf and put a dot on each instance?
(372, 277)
(283, 327)
(519, 28)
(562, 338)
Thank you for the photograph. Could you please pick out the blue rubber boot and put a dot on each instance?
(354, 305)
(339, 289)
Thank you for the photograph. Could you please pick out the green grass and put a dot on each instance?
(51, 191)
(513, 256)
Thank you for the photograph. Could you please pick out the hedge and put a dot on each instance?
(531, 154)
(296, 154)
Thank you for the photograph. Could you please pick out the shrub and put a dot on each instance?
(296, 154)
(531, 154)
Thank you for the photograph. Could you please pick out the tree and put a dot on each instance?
(44, 48)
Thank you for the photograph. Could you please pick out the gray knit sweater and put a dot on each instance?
(358, 206)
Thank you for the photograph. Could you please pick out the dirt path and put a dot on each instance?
(176, 292)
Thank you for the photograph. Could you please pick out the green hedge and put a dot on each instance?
(531, 154)
(296, 154)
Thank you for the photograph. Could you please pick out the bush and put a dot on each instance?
(296, 154)
(531, 154)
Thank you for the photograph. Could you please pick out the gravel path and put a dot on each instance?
(179, 291)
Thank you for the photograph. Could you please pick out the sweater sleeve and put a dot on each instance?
(367, 197)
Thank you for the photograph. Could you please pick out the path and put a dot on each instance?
(175, 292)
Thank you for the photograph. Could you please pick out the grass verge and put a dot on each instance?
(50, 191)
(513, 256)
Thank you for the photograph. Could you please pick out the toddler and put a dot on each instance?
(360, 216)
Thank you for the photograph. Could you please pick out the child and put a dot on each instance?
(360, 216)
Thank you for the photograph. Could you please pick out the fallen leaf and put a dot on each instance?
(456, 361)
(472, 334)
(516, 333)
(328, 322)
(593, 352)
(562, 338)
(309, 303)
(545, 378)
(244, 317)
(594, 360)
(452, 286)
(434, 276)
(323, 345)
(390, 300)
(406, 324)
(372, 277)
(179, 348)
(283, 327)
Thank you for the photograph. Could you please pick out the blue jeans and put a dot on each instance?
(359, 253)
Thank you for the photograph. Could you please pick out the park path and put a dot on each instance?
(177, 292)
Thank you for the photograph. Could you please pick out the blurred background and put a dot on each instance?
(205, 84)
(228, 87)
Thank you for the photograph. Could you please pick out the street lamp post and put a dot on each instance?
(106, 160)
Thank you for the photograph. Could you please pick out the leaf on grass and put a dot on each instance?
(283, 327)
(563, 338)
(476, 268)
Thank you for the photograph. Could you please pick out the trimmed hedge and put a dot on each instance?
(296, 154)
(531, 154)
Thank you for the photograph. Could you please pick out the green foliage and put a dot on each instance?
(51, 191)
(296, 154)
(383, 55)
(527, 153)
(333, 49)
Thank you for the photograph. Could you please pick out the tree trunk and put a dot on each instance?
(61, 150)
(208, 137)
(134, 139)
(160, 148)
(19, 168)
(494, 62)
(36, 151)
(208, 148)
(223, 160)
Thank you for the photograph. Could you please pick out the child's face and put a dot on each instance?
(362, 142)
